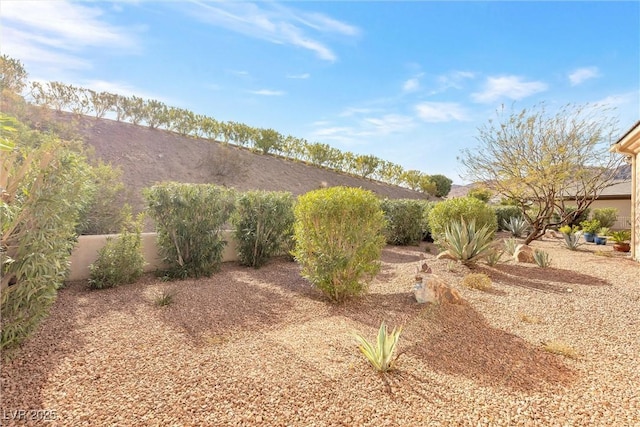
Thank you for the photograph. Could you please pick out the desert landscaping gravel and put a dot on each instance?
(262, 347)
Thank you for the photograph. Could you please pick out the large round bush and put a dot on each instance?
(468, 208)
(338, 235)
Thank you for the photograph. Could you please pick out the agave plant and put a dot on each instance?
(465, 243)
(541, 258)
(516, 225)
(571, 236)
(381, 356)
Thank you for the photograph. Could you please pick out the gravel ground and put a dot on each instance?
(262, 347)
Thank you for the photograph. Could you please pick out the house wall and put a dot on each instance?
(86, 252)
(624, 211)
(635, 188)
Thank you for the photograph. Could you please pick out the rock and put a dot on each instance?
(524, 253)
(446, 255)
(434, 290)
(552, 234)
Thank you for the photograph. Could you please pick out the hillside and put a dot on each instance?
(148, 156)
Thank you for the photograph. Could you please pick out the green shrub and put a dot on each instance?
(45, 185)
(120, 260)
(505, 213)
(189, 219)
(468, 208)
(590, 226)
(424, 221)
(606, 216)
(338, 234)
(404, 221)
(263, 225)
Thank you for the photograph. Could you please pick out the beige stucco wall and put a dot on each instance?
(86, 252)
(636, 208)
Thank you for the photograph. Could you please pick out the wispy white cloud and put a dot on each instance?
(352, 111)
(411, 85)
(511, 87)
(581, 75)
(389, 123)
(452, 80)
(435, 112)
(58, 33)
(267, 92)
(275, 23)
(299, 76)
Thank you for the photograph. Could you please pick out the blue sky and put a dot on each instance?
(409, 82)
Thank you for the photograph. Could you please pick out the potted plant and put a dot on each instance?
(589, 229)
(621, 239)
(601, 237)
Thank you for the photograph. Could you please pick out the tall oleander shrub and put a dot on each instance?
(339, 239)
(44, 185)
(404, 221)
(263, 225)
(189, 220)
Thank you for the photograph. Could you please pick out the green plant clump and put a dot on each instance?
(467, 208)
(338, 235)
(510, 245)
(263, 225)
(590, 226)
(621, 236)
(380, 356)
(504, 213)
(189, 219)
(404, 221)
(606, 216)
(120, 260)
(571, 235)
(466, 243)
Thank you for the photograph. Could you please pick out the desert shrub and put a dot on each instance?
(468, 208)
(466, 243)
(44, 185)
(478, 281)
(517, 226)
(606, 216)
(505, 213)
(120, 260)
(424, 221)
(104, 214)
(189, 219)
(263, 225)
(338, 234)
(590, 226)
(541, 258)
(404, 221)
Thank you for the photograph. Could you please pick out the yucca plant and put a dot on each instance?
(541, 258)
(510, 245)
(465, 243)
(516, 225)
(381, 355)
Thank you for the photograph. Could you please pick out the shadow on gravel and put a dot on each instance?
(26, 369)
(393, 256)
(457, 340)
(552, 280)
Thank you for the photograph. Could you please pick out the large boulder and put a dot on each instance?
(433, 289)
(524, 253)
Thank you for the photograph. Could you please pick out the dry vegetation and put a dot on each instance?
(262, 347)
